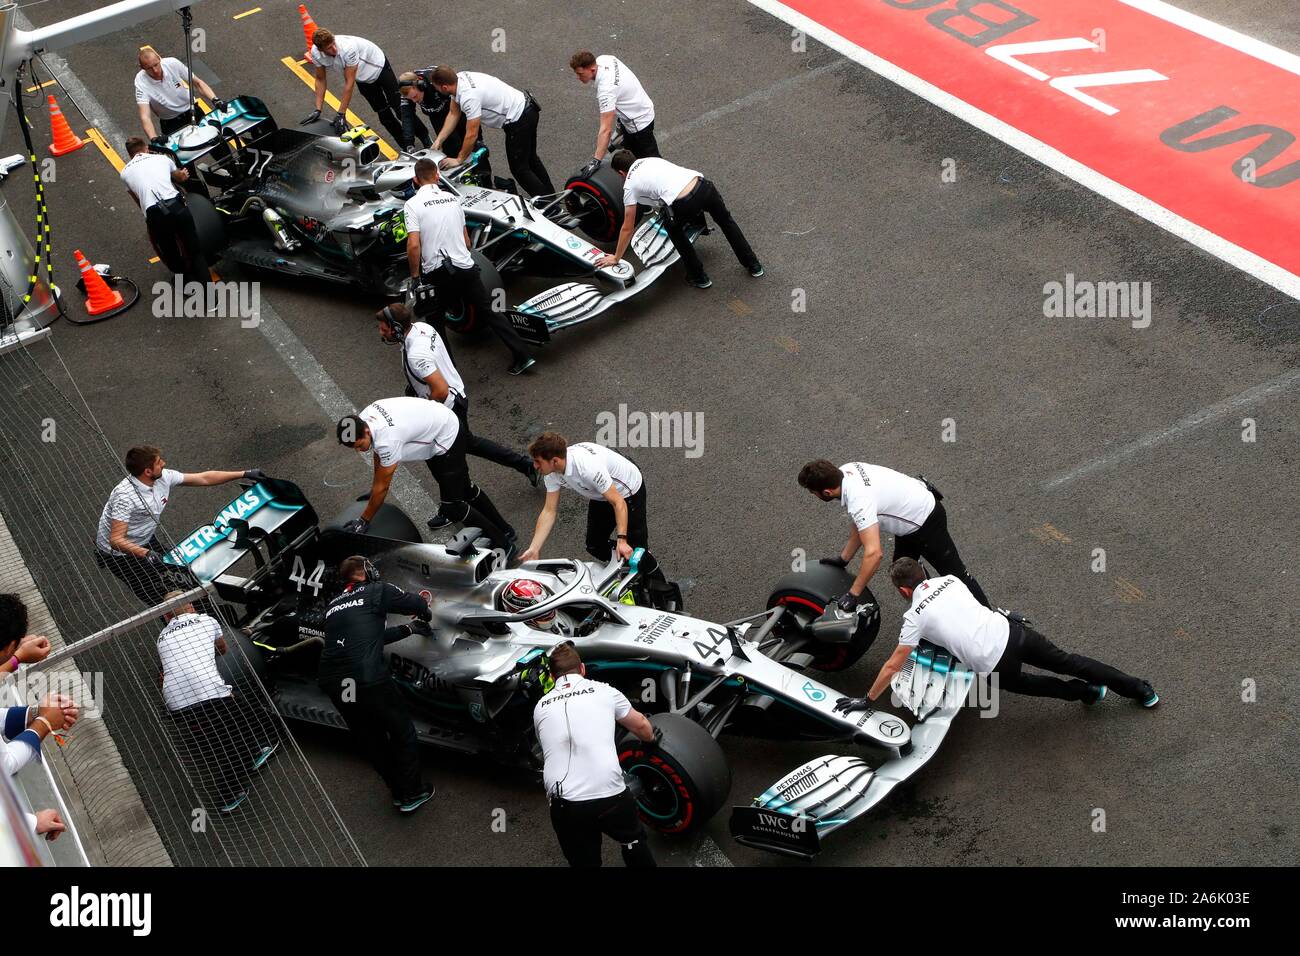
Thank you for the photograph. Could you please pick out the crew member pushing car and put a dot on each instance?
(686, 196)
(364, 67)
(151, 180)
(414, 429)
(355, 676)
(621, 98)
(420, 96)
(944, 612)
(878, 498)
(162, 93)
(584, 781)
(437, 250)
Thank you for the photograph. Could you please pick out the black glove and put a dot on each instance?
(421, 627)
(256, 474)
(848, 602)
(588, 168)
(357, 526)
(155, 559)
(654, 742)
(312, 117)
(847, 705)
(833, 562)
(219, 105)
(340, 124)
(159, 141)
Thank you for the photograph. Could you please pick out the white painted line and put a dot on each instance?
(1250, 396)
(744, 102)
(327, 393)
(1219, 33)
(1134, 202)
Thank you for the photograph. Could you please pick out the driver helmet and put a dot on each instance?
(521, 594)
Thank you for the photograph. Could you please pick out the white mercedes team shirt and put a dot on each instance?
(353, 51)
(872, 493)
(139, 505)
(423, 353)
(944, 612)
(591, 470)
(492, 102)
(575, 725)
(439, 219)
(618, 90)
(409, 429)
(653, 180)
(149, 178)
(169, 97)
(189, 661)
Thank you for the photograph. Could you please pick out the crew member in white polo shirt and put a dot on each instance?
(944, 612)
(487, 101)
(621, 98)
(223, 737)
(407, 429)
(431, 374)
(616, 499)
(437, 251)
(881, 499)
(162, 92)
(575, 724)
(686, 196)
(151, 180)
(125, 542)
(364, 67)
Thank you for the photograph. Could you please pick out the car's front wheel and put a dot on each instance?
(682, 782)
(806, 595)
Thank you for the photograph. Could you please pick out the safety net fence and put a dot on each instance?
(179, 755)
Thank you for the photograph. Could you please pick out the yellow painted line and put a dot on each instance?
(246, 13)
(333, 101)
(739, 307)
(153, 260)
(96, 137)
(33, 89)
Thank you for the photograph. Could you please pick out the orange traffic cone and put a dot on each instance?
(99, 297)
(65, 141)
(308, 27)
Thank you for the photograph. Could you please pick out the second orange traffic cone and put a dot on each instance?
(65, 140)
(99, 297)
(308, 27)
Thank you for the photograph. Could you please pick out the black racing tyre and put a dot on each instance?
(390, 522)
(208, 224)
(597, 202)
(462, 317)
(684, 781)
(807, 594)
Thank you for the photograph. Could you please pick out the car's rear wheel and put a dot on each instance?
(208, 224)
(462, 317)
(682, 782)
(596, 200)
(806, 594)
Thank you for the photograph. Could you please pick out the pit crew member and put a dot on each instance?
(162, 93)
(355, 676)
(575, 726)
(944, 612)
(878, 498)
(151, 180)
(686, 196)
(364, 67)
(419, 96)
(406, 429)
(621, 98)
(485, 100)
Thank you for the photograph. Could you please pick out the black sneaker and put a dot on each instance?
(1095, 694)
(703, 282)
(411, 804)
(522, 365)
(1149, 697)
(756, 269)
(438, 521)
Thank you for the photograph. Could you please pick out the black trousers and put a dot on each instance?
(148, 582)
(641, 143)
(381, 727)
(486, 448)
(171, 229)
(456, 287)
(692, 207)
(521, 152)
(1027, 646)
(601, 525)
(933, 542)
(464, 501)
(579, 825)
(385, 98)
(218, 740)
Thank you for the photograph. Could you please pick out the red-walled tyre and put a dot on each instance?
(597, 201)
(684, 781)
(462, 317)
(807, 594)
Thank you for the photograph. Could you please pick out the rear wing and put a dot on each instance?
(266, 519)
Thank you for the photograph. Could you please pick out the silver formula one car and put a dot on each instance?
(473, 684)
(310, 202)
